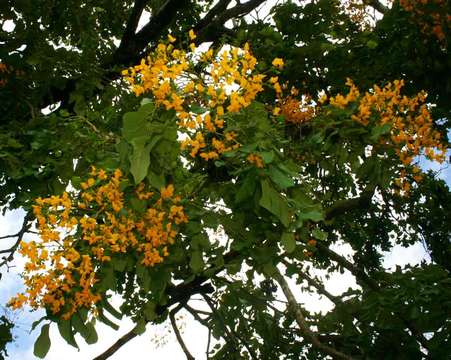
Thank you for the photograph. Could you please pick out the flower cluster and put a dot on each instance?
(297, 111)
(256, 160)
(81, 231)
(202, 99)
(411, 125)
(432, 16)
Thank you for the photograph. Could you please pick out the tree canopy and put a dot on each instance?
(238, 151)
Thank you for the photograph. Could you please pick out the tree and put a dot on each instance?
(291, 134)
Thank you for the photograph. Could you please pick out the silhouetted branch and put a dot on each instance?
(302, 323)
(177, 333)
(377, 5)
(12, 249)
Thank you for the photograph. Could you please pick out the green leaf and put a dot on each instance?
(140, 159)
(267, 156)
(42, 344)
(283, 180)
(138, 205)
(312, 213)
(133, 125)
(149, 311)
(247, 188)
(107, 321)
(108, 307)
(65, 329)
(269, 269)
(140, 327)
(372, 44)
(119, 263)
(156, 180)
(288, 242)
(378, 131)
(197, 109)
(37, 322)
(197, 262)
(87, 331)
(319, 234)
(272, 201)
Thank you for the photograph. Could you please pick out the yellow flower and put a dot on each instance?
(191, 34)
(278, 63)
(171, 38)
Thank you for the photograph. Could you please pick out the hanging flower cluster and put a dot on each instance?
(297, 111)
(81, 231)
(411, 126)
(202, 99)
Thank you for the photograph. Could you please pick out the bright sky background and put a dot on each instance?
(194, 334)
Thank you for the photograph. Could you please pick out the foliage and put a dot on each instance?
(299, 137)
(5, 335)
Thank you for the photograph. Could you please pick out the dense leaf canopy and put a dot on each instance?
(238, 151)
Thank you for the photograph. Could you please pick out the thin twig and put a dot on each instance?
(232, 334)
(11, 250)
(177, 333)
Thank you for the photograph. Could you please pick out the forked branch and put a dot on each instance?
(304, 328)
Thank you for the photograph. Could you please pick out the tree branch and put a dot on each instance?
(377, 5)
(118, 344)
(373, 285)
(215, 28)
(232, 334)
(214, 11)
(302, 323)
(341, 207)
(11, 250)
(132, 23)
(177, 333)
(152, 30)
(357, 272)
(178, 294)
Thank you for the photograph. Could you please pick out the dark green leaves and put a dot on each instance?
(42, 344)
(275, 203)
(288, 242)
(65, 329)
(197, 262)
(86, 330)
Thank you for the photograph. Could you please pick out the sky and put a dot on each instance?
(147, 345)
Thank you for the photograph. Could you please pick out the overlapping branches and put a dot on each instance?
(10, 251)
(134, 43)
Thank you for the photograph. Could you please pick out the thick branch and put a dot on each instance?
(118, 344)
(357, 272)
(341, 207)
(214, 11)
(177, 333)
(132, 23)
(215, 28)
(377, 5)
(179, 294)
(302, 323)
(152, 30)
